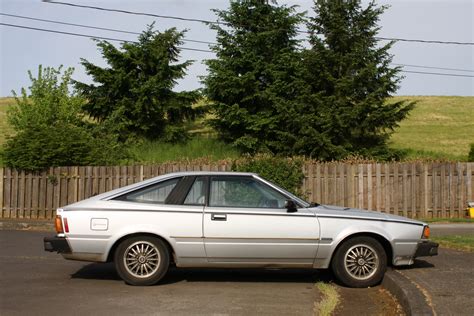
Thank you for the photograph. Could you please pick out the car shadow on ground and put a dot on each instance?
(106, 271)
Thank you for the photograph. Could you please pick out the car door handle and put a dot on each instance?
(219, 217)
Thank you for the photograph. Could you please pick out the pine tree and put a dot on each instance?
(135, 93)
(351, 80)
(255, 80)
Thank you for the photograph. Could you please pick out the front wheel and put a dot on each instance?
(360, 262)
(142, 260)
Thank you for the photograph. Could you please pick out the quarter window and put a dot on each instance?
(156, 193)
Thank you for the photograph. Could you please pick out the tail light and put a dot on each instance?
(426, 232)
(66, 226)
(58, 224)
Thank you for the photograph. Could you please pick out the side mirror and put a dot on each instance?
(290, 206)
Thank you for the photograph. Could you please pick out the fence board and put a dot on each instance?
(7, 193)
(14, 194)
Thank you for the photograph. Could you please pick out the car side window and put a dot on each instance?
(244, 192)
(197, 193)
(156, 193)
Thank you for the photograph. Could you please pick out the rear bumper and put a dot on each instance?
(426, 249)
(58, 244)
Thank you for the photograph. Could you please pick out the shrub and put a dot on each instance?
(40, 147)
(470, 157)
(50, 129)
(285, 172)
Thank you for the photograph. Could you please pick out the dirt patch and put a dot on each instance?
(370, 301)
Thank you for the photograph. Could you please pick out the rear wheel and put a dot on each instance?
(142, 260)
(360, 262)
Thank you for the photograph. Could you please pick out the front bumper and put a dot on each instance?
(58, 244)
(426, 249)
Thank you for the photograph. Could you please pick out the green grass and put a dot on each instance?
(447, 220)
(457, 242)
(5, 129)
(208, 148)
(329, 301)
(438, 128)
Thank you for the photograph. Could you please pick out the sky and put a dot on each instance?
(22, 50)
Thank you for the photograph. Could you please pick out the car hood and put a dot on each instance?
(347, 212)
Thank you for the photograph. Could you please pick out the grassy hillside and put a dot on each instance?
(439, 127)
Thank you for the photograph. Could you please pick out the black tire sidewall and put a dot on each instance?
(344, 277)
(155, 277)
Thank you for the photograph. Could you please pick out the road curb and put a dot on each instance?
(19, 224)
(408, 295)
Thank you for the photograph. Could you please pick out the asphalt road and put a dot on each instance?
(452, 229)
(33, 281)
(36, 282)
(445, 280)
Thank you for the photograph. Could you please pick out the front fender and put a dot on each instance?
(334, 232)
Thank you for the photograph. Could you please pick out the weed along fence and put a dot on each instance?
(408, 189)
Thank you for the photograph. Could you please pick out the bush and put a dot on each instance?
(285, 172)
(470, 157)
(50, 129)
(40, 147)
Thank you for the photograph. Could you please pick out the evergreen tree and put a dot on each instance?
(255, 81)
(351, 80)
(135, 93)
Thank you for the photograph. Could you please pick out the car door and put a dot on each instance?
(245, 221)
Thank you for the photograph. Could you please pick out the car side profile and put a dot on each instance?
(232, 220)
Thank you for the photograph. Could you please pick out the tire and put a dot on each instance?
(360, 262)
(142, 260)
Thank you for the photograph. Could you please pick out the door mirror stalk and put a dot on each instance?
(290, 206)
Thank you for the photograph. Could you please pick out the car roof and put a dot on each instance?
(110, 194)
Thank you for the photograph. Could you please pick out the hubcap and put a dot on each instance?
(141, 259)
(361, 262)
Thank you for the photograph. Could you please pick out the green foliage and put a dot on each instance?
(50, 129)
(206, 149)
(40, 147)
(48, 102)
(253, 84)
(135, 91)
(285, 172)
(471, 153)
(350, 77)
(326, 102)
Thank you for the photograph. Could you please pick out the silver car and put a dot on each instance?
(232, 220)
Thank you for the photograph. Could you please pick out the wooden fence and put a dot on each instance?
(409, 189)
